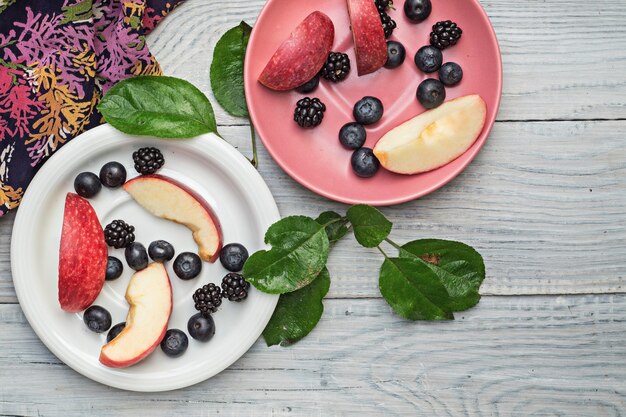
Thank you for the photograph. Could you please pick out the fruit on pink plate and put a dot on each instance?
(169, 199)
(82, 255)
(370, 46)
(149, 294)
(299, 58)
(433, 138)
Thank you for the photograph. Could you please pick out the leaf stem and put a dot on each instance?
(254, 161)
(382, 251)
(392, 243)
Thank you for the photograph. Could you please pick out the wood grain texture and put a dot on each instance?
(562, 58)
(541, 356)
(545, 204)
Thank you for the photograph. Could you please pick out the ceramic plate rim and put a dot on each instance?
(284, 164)
(268, 214)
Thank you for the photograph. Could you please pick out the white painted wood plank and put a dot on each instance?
(545, 203)
(562, 58)
(538, 356)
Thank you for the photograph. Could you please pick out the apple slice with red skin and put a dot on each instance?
(301, 56)
(370, 46)
(433, 138)
(169, 199)
(82, 255)
(149, 294)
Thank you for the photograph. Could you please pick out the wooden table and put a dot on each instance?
(544, 202)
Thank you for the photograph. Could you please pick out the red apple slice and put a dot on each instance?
(433, 138)
(149, 294)
(370, 46)
(169, 199)
(82, 255)
(301, 56)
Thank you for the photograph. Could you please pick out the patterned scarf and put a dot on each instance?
(57, 59)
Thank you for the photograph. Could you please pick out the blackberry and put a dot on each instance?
(309, 112)
(235, 287)
(445, 33)
(383, 5)
(148, 160)
(337, 67)
(388, 23)
(207, 299)
(119, 234)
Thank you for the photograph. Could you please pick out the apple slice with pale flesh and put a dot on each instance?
(169, 199)
(82, 255)
(149, 294)
(433, 138)
(370, 46)
(301, 56)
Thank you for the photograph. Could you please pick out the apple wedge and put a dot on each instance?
(82, 255)
(167, 198)
(370, 46)
(433, 138)
(149, 294)
(301, 56)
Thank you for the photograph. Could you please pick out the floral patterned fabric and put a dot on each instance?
(57, 59)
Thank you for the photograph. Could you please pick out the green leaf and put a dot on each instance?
(413, 290)
(297, 313)
(299, 252)
(336, 230)
(459, 267)
(369, 224)
(227, 70)
(164, 107)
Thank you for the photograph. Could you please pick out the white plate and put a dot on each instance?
(210, 166)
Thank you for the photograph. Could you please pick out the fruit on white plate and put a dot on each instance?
(169, 199)
(301, 56)
(82, 255)
(370, 46)
(433, 138)
(149, 294)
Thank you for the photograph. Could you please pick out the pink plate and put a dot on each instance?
(314, 157)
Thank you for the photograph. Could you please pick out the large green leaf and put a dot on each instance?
(370, 226)
(297, 313)
(413, 290)
(227, 70)
(299, 252)
(158, 106)
(335, 226)
(459, 267)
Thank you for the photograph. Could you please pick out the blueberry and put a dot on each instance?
(187, 265)
(97, 319)
(174, 343)
(364, 162)
(161, 251)
(200, 327)
(450, 73)
(368, 110)
(136, 256)
(115, 331)
(233, 256)
(395, 54)
(352, 135)
(309, 86)
(114, 268)
(87, 184)
(417, 10)
(113, 174)
(428, 59)
(431, 93)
